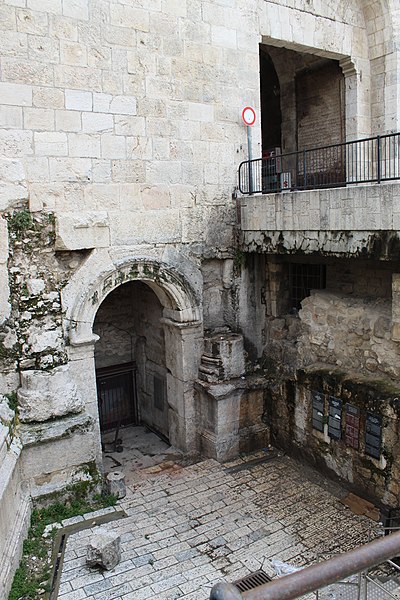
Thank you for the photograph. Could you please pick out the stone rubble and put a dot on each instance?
(104, 549)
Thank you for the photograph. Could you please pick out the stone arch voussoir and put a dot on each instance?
(175, 293)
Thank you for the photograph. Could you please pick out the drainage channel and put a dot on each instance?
(269, 455)
(252, 581)
(60, 542)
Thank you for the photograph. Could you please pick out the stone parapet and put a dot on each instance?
(342, 220)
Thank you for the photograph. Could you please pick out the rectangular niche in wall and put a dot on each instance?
(318, 410)
(352, 426)
(159, 392)
(335, 418)
(373, 435)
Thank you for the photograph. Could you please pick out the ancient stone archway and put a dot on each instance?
(181, 320)
(175, 294)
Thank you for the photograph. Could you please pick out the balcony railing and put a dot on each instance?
(370, 160)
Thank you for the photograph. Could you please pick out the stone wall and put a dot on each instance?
(290, 414)
(121, 136)
(360, 221)
(352, 333)
(14, 498)
(339, 345)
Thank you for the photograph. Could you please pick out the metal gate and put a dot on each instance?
(116, 396)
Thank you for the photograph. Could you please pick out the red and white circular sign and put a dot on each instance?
(249, 115)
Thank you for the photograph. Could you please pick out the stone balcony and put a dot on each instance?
(360, 220)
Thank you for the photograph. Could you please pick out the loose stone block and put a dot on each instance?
(104, 549)
(116, 484)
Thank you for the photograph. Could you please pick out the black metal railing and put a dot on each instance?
(362, 161)
(318, 575)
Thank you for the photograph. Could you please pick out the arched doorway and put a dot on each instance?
(130, 360)
(175, 300)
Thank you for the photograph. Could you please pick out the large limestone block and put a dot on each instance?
(104, 549)
(83, 230)
(13, 186)
(47, 394)
(223, 356)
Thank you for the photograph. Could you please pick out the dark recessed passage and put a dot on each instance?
(252, 581)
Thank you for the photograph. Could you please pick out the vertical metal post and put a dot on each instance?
(359, 581)
(250, 156)
(304, 170)
(379, 158)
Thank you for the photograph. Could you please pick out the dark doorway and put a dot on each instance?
(117, 396)
(130, 358)
(271, 117)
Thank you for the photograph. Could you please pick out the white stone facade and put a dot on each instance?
(120, 139)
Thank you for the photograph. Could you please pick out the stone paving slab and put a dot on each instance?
(190, 527)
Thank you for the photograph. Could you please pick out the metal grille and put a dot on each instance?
(303, 279)
(116, 395)
(252, 581)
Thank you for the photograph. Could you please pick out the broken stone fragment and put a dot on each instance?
(104, 549)
(116, 484)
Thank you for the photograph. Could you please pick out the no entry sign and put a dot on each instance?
(248, 115)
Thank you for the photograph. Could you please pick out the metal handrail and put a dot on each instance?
(319, 575)
(368, 160)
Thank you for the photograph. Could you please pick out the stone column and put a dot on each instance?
(183, 347)
(357, 101)
(83, 371)
(219, 395)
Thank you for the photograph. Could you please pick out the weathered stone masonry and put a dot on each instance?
(120, 138)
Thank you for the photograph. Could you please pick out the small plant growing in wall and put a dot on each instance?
(19, 222)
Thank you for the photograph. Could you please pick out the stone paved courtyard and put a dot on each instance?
(188, 527)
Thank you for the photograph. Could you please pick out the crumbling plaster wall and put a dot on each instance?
(347, 325)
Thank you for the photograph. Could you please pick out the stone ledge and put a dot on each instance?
(40, 433)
